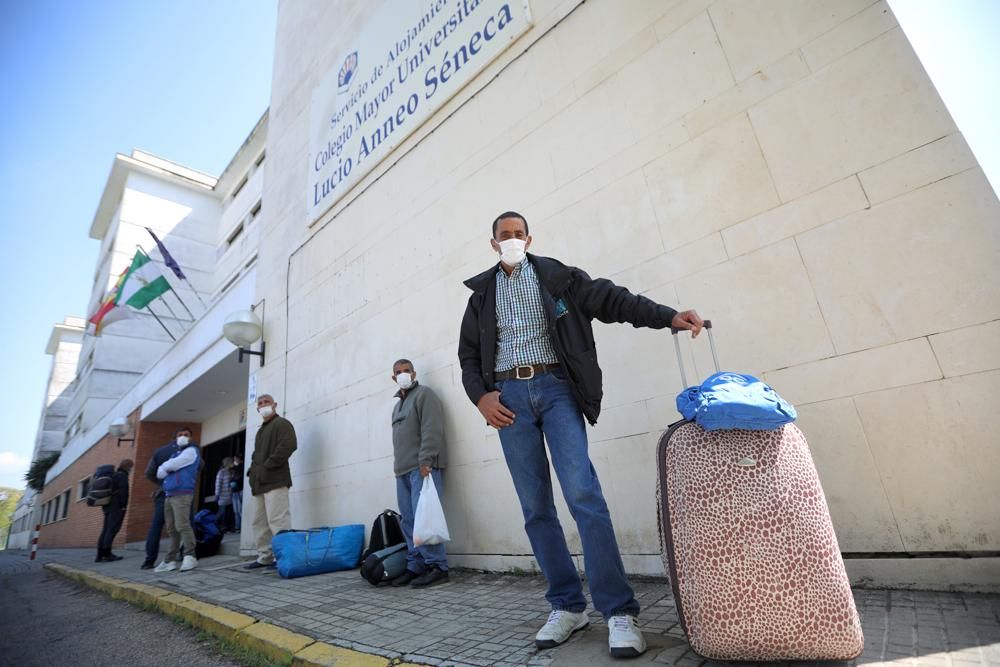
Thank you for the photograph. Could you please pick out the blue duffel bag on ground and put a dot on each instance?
(301, 553)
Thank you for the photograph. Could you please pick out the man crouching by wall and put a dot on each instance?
(418, 449)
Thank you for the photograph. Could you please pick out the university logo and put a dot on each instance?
(347, 71)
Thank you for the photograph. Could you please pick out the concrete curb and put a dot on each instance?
(270, 641)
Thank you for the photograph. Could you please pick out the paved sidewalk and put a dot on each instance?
(491, 619)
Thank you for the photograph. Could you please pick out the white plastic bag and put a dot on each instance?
(429, 525)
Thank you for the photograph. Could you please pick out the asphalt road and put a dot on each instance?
(46, 620)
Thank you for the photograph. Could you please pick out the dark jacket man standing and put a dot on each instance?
(529, 364)
(114, 512)
(270, 478)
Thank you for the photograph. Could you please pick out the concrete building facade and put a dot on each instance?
(64, 348)
(786, 168)
(135, 369)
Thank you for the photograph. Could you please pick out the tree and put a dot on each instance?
(35, 477)
(8, 502)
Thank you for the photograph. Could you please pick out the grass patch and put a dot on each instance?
(233, 651)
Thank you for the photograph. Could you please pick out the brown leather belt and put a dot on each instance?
(524, 372)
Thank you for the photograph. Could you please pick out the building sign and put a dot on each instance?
(405, 62)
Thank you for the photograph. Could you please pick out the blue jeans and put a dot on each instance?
(408, 486)
(545, 406)
(155, 530)
(238, 509)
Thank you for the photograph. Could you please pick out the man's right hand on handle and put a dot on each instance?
(496, 413)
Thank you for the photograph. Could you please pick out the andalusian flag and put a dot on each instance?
(143, 283)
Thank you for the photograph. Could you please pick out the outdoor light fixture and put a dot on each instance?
(243, 328)
(120, 426)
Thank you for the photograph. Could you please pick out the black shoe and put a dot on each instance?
(431, 577)
(147, 565)
(110, 558)
(101, 559)
(404, 579)
(256, 565)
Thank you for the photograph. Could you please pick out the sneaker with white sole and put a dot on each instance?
(165, 566)
(190, 562)
(625, 640)
(559, 627)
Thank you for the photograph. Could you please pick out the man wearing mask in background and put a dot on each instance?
(156, 528)
(180, 480)
(529, 364)
(270, 478)
(114, 512)
(418, 450)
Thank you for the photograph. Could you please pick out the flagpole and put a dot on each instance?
(179, 299)
(161, 323)
(172, 264)
(196, 295)
(172, 313)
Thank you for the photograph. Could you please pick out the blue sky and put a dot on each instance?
(187, 81)
(82, 81)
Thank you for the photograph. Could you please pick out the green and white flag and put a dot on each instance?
(143, 283)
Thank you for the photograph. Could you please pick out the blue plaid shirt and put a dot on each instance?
(522, 332)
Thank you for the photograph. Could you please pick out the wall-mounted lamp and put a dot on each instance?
(243, 328)
(120, 426)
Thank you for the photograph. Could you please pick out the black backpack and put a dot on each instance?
(387, 531)
(101, 486)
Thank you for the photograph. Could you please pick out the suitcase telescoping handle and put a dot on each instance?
(680, 360)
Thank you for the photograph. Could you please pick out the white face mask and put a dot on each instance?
(404, 380)
(512, 251)
(182, 440)
(266, 411)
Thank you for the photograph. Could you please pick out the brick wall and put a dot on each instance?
(82, 525)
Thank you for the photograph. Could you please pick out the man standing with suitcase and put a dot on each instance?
(529, 364)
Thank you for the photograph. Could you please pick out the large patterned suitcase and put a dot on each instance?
(749, 547)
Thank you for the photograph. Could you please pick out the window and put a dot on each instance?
(229, 283)
(260, 160)
(65, 504)
(45, 513)
(82, 489)
(76, 427)
(254, 212)
(234, 235)
(54, 513)
(239, 186)
(89, 362)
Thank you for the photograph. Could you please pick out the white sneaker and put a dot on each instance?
(190, 562)
(164, 566)
(625, 640)
(559, 627)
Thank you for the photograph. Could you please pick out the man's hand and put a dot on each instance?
(689, 320)
(496, 413)
(425, 470)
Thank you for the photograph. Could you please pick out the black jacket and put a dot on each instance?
(572, 300)
(119, 489)
(161, 455)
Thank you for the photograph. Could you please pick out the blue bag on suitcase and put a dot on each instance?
(301, 553)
